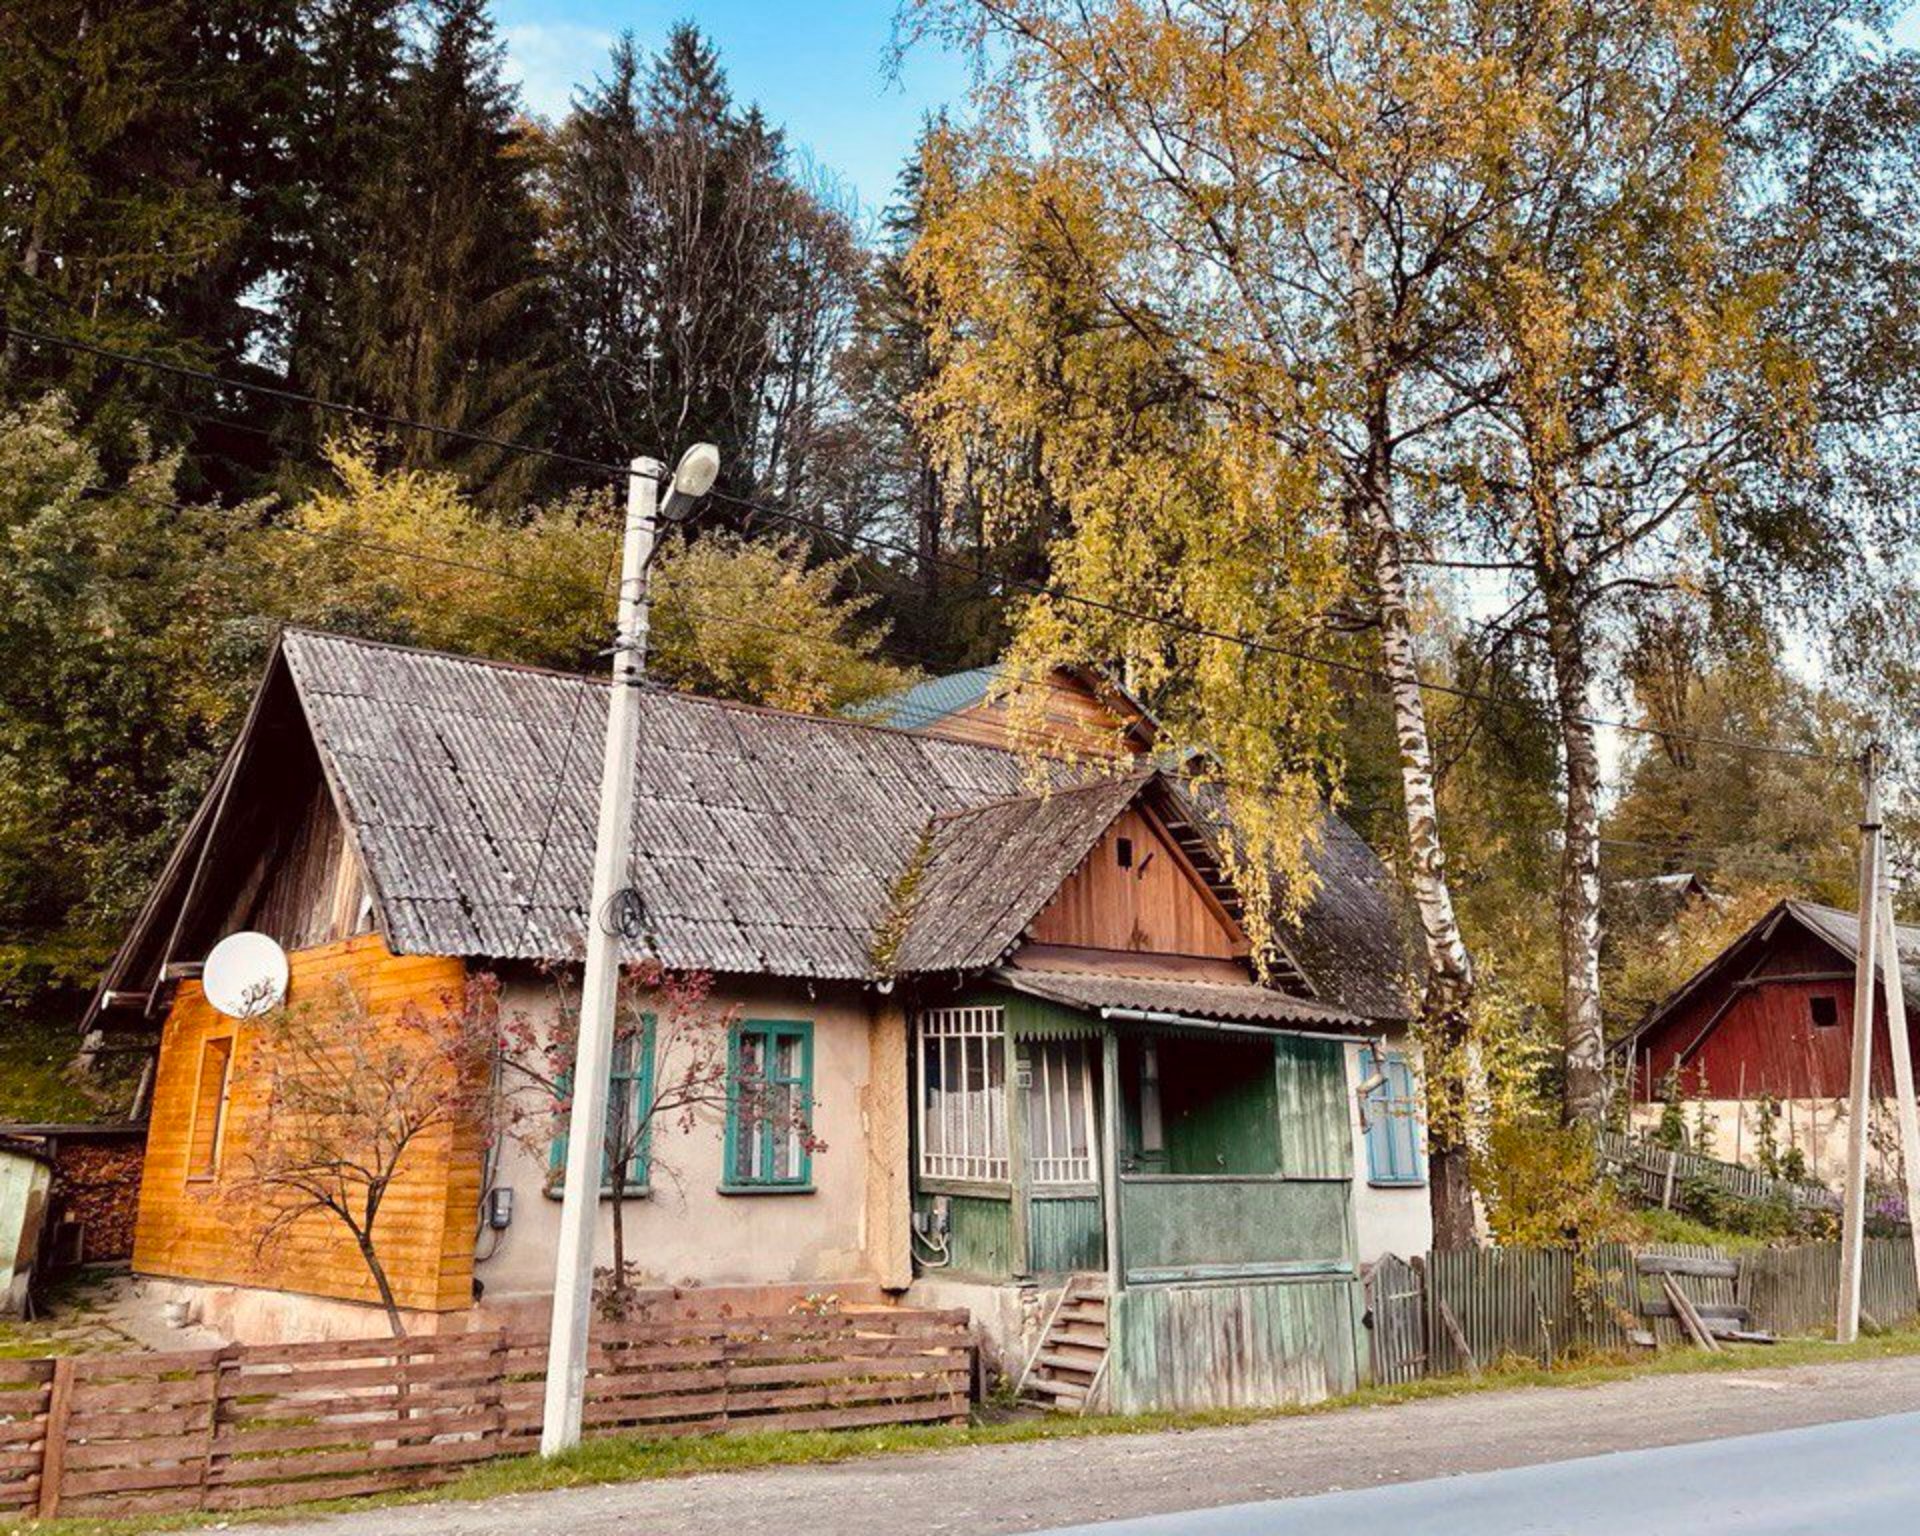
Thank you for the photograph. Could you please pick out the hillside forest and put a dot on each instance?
(1502, 422)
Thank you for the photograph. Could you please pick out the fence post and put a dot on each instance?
(1666, 1194)
(53, 1455)
(215, 1397)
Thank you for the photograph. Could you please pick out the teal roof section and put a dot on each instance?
(915, 708)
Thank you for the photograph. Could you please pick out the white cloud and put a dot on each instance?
(550, 59)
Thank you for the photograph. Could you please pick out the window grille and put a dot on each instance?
(1060, 1113)
(962, 1094)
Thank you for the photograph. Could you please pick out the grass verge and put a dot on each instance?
(623, 1459)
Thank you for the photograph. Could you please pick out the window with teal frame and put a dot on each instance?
(629, 1099)
(1392, 1113)
(769, 1106)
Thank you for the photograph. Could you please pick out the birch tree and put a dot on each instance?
(1262, 209)
(1646, 382)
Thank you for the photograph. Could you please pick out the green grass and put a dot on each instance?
(623, 1459)
(1672, 1227)
(34, 1085)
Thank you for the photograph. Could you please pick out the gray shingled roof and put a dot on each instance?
(1348, 943)
(763, 842)
(1223, 1001)
(985, 872)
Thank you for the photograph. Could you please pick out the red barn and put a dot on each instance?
(1771, 1016)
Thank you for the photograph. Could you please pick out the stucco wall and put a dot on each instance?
(686, 1232)
(1818, 1127)
(1386, 1218)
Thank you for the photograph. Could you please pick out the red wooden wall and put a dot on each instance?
(1766, 1041)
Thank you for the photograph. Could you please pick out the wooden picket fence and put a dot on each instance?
(1452, 1312)
(250, 1427)
(1658, 1175)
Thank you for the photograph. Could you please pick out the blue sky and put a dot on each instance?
(817, 67)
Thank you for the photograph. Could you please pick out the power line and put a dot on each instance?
(1053, 591)
(1268, 647)
(314, 402)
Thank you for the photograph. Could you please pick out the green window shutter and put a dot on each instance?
(1315, 1135)
(769, 1105)
(629, 1092)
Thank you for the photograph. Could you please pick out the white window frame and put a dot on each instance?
(967, 1037)
(1050, 1155)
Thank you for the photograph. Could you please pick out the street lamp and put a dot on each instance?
(600, 977)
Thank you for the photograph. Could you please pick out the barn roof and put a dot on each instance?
(763, 842)
(1842, 930)
(1838, 929)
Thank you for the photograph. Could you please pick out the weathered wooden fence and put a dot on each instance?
(248, 1427)
(1456, 1311)
(1658, 1175)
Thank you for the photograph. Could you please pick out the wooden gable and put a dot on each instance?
(1139, 893)
(1072, 711)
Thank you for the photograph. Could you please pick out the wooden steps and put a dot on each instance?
(1067, 1368)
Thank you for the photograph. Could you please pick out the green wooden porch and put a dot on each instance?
(1204, 1170)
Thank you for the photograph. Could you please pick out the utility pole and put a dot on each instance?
(600, 983)
(1905, 1112)
(1865, 986)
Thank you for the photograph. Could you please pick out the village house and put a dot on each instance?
(1045, 1082)
(1769, 1020)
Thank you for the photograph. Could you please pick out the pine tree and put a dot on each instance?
(443, 314)
(698, 284)
(143, 171)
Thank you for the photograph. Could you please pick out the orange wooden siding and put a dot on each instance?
(193, 1228)
(1063, 713)
(1156, 903)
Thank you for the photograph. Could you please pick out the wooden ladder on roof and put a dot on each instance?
(1069, 1365)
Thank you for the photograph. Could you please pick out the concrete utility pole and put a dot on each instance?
(600, 983)
(1905, 1110)
(1865, 980)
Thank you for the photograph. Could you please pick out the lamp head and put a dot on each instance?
(699, 468)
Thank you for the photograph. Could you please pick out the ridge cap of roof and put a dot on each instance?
(1137, 778)
(661, 690)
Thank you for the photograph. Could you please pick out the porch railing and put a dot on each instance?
(1184, 1227)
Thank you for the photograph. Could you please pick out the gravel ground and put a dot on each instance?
(987, 1489)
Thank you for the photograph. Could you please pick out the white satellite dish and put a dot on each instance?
(245, 975)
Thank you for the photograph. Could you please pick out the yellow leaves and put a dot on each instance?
(744, 619)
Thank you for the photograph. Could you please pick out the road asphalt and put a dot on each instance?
(1046, 1485)
(1860, 1475)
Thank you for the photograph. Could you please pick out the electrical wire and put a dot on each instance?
(1052, 591)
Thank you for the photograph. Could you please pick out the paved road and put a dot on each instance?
(1856, 1476)
(985, 1490)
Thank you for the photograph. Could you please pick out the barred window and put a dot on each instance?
(962, 1094)
(1060, 1112)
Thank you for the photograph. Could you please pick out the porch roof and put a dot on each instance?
(1216, 1001)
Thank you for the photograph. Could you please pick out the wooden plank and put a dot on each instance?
(59, 1410)
(1682, 1264)
(1689, 1319)
(1455, 1333)
(323, 1465)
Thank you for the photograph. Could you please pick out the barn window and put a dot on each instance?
(1123, 852)
(210, 1108)
(1825, 1010)
(962, 1097)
